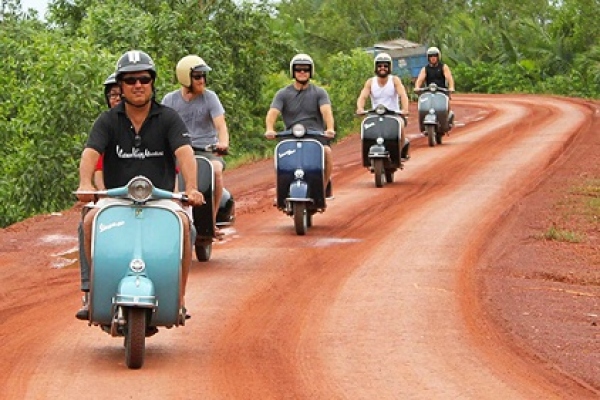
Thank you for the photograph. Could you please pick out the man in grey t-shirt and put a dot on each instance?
(305, 103)
(204, 116)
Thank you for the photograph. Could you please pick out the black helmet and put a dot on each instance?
(135, 61)
(109, 82)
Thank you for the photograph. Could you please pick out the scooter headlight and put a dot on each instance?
(433, 87)
(380, 109)
(299, 174)
(379, 140)
(298, 130)
(137, 265)
(140, 189)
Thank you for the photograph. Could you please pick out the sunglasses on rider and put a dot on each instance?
(197, 77)
(306, 69)
(137, 141)
(131, 80)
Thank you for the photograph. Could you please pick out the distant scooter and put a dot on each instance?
(136, 275)
(435, 120)
(300, 174)
(204, 215)
(381, 154)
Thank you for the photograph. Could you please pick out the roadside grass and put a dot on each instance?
(580, 210)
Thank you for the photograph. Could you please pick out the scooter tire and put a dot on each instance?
(135, 338)
(203, 250)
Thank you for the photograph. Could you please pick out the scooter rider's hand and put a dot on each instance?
(270, 134)
(86, 197)
(222, 148)
(329, 134)
(360, 111)
(194, 197)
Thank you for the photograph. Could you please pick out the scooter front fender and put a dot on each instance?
(430, 119)
(298, 191)
(136, 291)
(378, 151)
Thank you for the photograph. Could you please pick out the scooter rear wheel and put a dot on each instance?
(135, 338)
(203, 249)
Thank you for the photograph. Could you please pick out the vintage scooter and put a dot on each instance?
(379, 133)
(434, 118)
(137, 247)
(204, 215)
(300, 169)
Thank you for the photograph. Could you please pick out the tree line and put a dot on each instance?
(53, 66)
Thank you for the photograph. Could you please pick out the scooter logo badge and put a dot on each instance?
(369, 125)
(286, 153)
(105, 227)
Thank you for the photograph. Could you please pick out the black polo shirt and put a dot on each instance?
(161, 134)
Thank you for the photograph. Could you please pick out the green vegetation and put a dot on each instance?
(52, 69)
(563, 235)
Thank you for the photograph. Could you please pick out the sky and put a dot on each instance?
(39, 5)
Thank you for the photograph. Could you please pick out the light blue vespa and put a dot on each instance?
(137, 247)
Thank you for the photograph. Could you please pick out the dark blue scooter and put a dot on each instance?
(300, 170)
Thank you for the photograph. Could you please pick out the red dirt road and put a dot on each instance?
(378, 301)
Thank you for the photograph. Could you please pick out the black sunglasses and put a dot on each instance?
(137, 141)
(131, 80)
(301, 69)
(198, 77)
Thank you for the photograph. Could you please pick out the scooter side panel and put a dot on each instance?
(308, 155)
(203, 215)
(122, 233)
(386, 127)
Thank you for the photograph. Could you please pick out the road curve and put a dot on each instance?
(378, 300)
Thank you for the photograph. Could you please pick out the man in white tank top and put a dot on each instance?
(386, 89)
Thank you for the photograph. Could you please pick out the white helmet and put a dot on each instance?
(383, 58)
(186, 65)
(433, 51)
(302, 59)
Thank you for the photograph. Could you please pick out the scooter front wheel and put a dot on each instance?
(300, 218)
(378, 171)
(135, 338)
(431, 139)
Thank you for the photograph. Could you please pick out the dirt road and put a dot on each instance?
(378, 301)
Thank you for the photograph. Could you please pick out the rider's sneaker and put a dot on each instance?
(151, 331)
(84, 312)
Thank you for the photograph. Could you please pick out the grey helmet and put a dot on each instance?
(135, 61)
